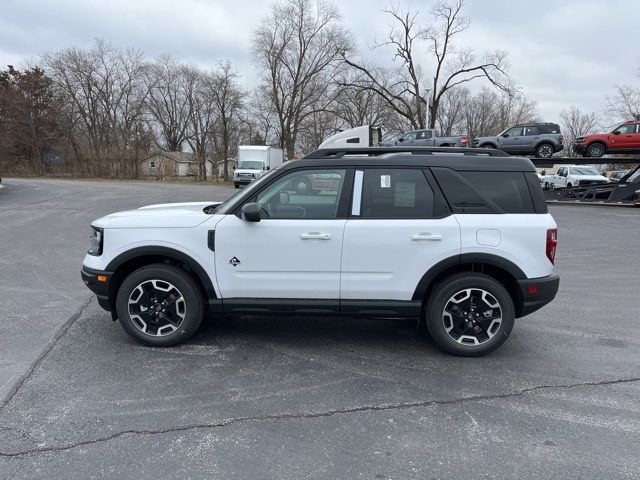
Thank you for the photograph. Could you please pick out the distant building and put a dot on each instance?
(171, 164)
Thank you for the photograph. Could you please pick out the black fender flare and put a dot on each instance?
(165, 252)
(466, 258)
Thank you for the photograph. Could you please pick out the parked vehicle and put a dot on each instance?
(539, 139)
(546, 181)
(254, 161)
(463, 240)
(616, 175)
(428, 138)
(625, 138)
(574, 175)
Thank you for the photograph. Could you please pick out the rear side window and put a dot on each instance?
(485, 192)
(396, 193)
(552, 128)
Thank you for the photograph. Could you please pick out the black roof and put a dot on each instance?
(455, 158)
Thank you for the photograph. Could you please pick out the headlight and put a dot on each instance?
(96, 240)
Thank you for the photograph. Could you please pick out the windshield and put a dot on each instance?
(584, 171)
(229, 204)
(250, 165)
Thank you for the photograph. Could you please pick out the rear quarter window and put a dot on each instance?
(486, 192)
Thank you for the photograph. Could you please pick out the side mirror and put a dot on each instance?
(251, 212)
(616, 133)
(505, 135)
(401, 139)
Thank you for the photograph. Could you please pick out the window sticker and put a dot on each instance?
(385, 181)
(405, 194)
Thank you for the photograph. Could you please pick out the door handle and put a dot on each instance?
(426, 236)
(315, 236)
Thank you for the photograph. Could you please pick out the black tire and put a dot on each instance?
(569, 185)
(236, 185)
(596, 150)
(484, 330)
(544, 150)
(488, 145)
(302, 185)
(190, 304)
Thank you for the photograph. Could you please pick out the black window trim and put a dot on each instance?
(343, 201)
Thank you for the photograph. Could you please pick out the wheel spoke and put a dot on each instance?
(472, 316)
(157, 308)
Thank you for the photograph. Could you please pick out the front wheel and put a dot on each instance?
(595, 150)
(160, 305)
(237, 185)
(470, 314)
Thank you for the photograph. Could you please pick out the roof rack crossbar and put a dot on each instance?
(375, 151)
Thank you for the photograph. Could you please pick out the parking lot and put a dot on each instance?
(308, 397)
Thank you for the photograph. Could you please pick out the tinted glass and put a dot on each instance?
(486, 192)
(508, 190)
(514, 132)
(532, 131)
(303, 194)
(396, 193)
(551, 128)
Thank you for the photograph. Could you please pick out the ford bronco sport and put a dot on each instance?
(460, 238)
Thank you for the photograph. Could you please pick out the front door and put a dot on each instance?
(513, 141)
(393, 235)
(294, 251)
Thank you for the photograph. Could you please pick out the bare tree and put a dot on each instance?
(576, 123)
(105, 96)
(202, 116)
(401, 88)
(453, 67)
(167, 102)
(624, 104)
(227, 98)
(298, 45)
(404, 88)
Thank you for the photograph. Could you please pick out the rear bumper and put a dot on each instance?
(535, 298)
(100, 288)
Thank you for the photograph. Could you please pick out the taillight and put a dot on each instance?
(464, 140)
(552, 244)
(561, 139)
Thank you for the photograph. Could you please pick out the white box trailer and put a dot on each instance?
(254, 161)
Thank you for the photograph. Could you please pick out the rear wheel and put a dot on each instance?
(470, 314)
(595, 150)
(160, 305)
(544, 150)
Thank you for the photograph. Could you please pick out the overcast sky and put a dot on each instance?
(569, 52)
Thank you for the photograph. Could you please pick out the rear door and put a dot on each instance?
(399, 226)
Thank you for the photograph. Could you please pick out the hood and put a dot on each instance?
(590, 177)
(165, 215)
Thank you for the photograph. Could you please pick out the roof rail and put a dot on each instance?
(375, 151)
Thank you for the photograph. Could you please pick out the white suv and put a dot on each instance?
(461, 239)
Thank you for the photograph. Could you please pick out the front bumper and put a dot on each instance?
(243, 181)
(533, 298)
(100, 288)
(580, 148)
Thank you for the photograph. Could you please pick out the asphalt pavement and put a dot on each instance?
(297, 397)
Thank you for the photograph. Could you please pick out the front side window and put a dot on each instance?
(514, 132)
(630, 128)
(395, 193)
(409, 136)
(303, 194)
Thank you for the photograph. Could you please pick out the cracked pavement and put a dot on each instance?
(297, 397)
